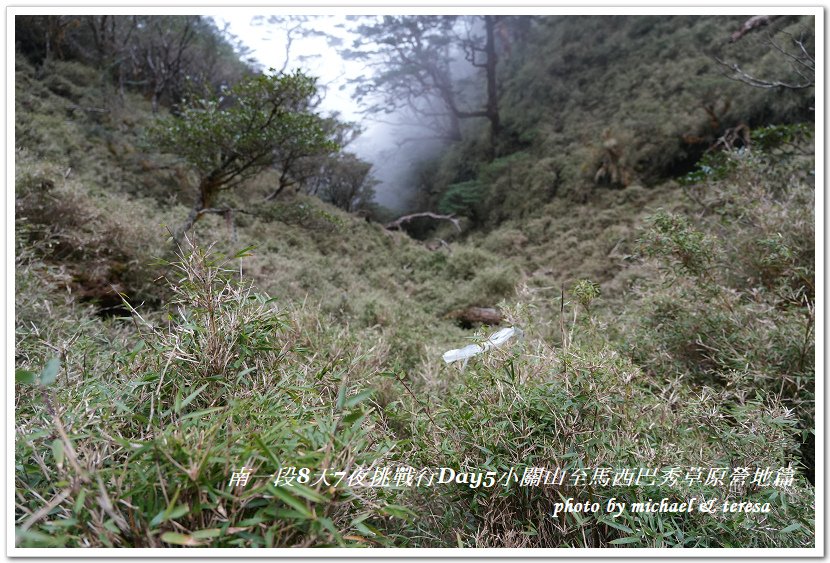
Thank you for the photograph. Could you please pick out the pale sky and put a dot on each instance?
(312, 54)
(315, 56)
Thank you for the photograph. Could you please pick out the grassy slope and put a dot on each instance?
(356, 307)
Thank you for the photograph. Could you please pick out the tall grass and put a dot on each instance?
(141, 454)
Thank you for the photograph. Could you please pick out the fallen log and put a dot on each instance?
(474, 316)
(397, 223)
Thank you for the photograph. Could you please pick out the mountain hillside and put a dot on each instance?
(646, 222)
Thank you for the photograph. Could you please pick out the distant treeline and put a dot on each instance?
(159, 56)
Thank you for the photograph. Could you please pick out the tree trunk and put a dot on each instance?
(492, 108)
(455, 127)
(121, 87)
(192, 217)
(154, 102)
(283, 183)
(207, 192)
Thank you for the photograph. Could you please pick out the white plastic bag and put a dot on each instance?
(495, 340)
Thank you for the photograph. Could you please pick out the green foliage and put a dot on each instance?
(775, 136)
(270, 117)
(344, 181)
(585, 291)
(154, 55)
(462, 198)
(738, 311)
(271, 122)
(585, 408)
(46, 376)
(687, 251)
(228, 383)
(304, 213)
(621, 101)
(713, 166)
(719, 165)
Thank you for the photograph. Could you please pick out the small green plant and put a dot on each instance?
(735, 307)
(45, 377)
(585, 291)
(785, 137)
(686, 250)
(592, 409)
(714, 166)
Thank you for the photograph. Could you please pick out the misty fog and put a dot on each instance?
(395, 142)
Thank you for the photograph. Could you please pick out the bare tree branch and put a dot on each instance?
(799, 59)
(741, 76)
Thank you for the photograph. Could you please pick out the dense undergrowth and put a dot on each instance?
(593, 101)
(664, 326)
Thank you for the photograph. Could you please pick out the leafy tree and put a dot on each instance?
(413, 58)
(235, 136)
(298, 166)
(155, 55)
(43, 38)
(161, 51)
(410, 58)
(344, 180)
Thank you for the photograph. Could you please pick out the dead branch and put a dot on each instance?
(90, 109)
(396, 224)
(800, 61)
(741, 76)
(752, 24)
(738, 136)
(224, 211)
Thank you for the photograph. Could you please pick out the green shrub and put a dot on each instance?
(736, 306)
(587, 407)
(463, 198)
(100, 240)
(686, 250)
